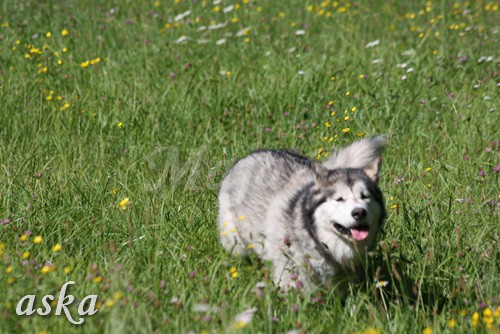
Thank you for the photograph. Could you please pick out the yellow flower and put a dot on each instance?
(24, 237)
(428, 169)
(250, 246)
(48, 34)
(452, 323)
(228, 74)
(120, 124)
(117, 295)
(463, 313)
(10, 280)
(38, 239)
(25, 255)
(97, 279)
(64, 32)
(56, 248)
(123, 203)
(346, 118)
(371, 330)
(47, 269)
(345, 130)
(232, 270)
(95, 61)
(115, 191)
(241, 217)
(224, 233)
(233, 230)
(109, 303)
(235, 274)
(9, 269)
(59, 62)
(216, 9)
(487, 312)
(234, 20)
(85, 64)
(64, 49)
(427, 330)
(67, 270)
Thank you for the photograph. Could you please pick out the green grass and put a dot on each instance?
(189, 110)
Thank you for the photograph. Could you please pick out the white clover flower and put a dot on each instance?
(228, 9)
(181, 40)
(182, 15)
(373, 43)
(220, 41)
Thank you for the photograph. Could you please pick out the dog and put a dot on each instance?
(313, 222)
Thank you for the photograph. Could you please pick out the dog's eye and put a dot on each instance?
(364, 196)
(339, 199)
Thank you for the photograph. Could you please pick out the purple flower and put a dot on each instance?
(463, 59)
(496, 169)
(5, 221)
(37, 175)
(192, 274)
(171, 75)
(482, 173)
(487, 150)
(422, 101)
(267, 129)
(294, 308)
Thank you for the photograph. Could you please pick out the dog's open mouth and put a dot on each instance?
(358, 233)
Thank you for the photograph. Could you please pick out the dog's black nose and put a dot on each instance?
(358, 213)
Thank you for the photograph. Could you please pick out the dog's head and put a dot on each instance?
(349, 216)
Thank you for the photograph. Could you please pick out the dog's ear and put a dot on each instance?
(320, 171)
(372, 169)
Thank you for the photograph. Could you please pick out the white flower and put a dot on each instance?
(217, 26)
(202, 41)
(409, 53)
(381, 284)
(300, 72)
(228, 9)
(411, 69)
(217, 2)
(300, 32)
(202, 28)
(376, 61)
(182, 15)
(243, 32)
(373, 44)
(403, 65)
(483, 58)
(260, 285)
(268, 53)
(181, 40)
(403, 77)
(244, 317)
(292, 50)
(220, 41)
(174, 300)
(201, 308)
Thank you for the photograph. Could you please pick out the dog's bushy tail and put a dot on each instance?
(357, 155)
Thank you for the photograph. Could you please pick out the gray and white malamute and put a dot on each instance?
(312, 221)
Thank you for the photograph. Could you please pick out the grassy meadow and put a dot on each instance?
(119, 119)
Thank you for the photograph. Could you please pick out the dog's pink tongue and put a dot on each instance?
(359, 235)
